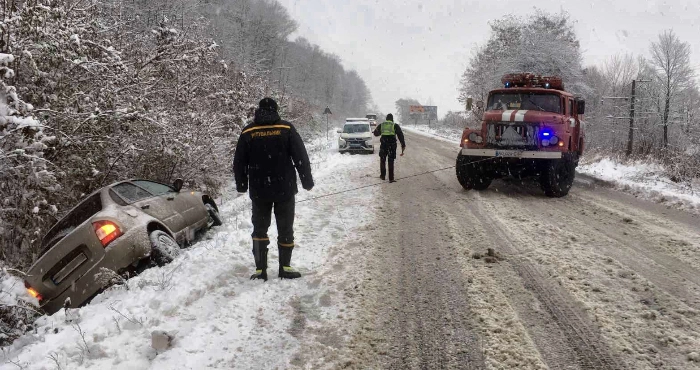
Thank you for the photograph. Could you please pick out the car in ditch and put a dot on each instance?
(356, 136)
(530, 127)
(120, 228)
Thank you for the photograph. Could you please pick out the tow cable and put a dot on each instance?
(382, 183)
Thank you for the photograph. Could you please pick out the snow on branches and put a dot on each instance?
(541, 43)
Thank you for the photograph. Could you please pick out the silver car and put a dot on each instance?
(121, 227)
(356, 136)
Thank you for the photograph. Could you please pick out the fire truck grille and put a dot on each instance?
(507, 134)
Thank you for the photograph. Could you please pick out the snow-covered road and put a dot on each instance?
(595, 280)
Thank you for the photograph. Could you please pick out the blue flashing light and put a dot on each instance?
(545, 134)
(507, 84)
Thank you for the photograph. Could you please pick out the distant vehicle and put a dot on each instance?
(372, 117)
(355, 136)
(531, 127)
(124, 226)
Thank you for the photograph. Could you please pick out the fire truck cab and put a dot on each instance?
(530, 127)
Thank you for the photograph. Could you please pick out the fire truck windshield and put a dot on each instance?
(525, 101)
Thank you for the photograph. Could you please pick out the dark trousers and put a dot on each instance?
(387, 151)
(284, 215)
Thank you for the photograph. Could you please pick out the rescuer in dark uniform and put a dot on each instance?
(389, 131)
(267, 153)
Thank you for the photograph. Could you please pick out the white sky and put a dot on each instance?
(419, 49)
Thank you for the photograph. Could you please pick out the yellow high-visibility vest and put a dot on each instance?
(387, 128)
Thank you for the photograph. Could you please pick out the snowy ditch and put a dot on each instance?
(204, 300)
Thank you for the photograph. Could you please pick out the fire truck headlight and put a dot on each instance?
(553, 140)
(474, 137)
(545, 142)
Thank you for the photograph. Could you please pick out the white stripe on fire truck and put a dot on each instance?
(506, 115)
(520, 116)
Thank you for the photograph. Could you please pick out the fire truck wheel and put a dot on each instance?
(557, 176)
(472, 175)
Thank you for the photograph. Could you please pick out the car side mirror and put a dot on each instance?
(581, 106)
(177, 184)
(340, 131)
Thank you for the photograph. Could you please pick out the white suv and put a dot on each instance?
(355, 136)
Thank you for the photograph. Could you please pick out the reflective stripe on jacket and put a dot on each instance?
(387, 128)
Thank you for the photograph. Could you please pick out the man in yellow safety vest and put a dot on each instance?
(389, 131)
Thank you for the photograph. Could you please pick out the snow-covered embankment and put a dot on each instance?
(218, 318)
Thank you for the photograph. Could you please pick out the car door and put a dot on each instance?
(152, 204)
(191, 209)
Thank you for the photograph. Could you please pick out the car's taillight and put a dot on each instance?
(106, 231)
(33, 291)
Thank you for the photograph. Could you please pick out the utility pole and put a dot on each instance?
(630, 138)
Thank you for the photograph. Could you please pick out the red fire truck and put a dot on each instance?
(530, 127)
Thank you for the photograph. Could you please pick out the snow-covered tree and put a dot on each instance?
(540, 43)
(113, 86)
(671, 58)
(402, 110)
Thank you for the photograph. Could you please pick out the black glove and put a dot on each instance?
(307, 185)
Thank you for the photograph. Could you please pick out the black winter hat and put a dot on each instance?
(390, 117)
(268, 104)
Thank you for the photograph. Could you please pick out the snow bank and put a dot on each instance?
(6, 58)
(218, 318)
(646, 180)
(11, 288)
(451, 135)
(16, 307)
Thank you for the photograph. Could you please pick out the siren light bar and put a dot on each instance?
(532, 80)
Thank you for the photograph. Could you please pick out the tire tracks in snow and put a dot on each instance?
(650, 319)
(417, 312)
(580, 333)
(678, 278)
(575, 336)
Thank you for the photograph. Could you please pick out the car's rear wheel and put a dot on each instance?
(214, 217)
(163, 247)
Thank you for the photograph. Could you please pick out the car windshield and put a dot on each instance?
(525, 101)
(81, 213)
(355, 128)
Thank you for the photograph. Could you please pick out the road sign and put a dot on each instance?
(327, 111)
(424, 112)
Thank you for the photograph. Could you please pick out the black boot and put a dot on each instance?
(286, 271)
(260, 255)
(391, 170)
(382, 167)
